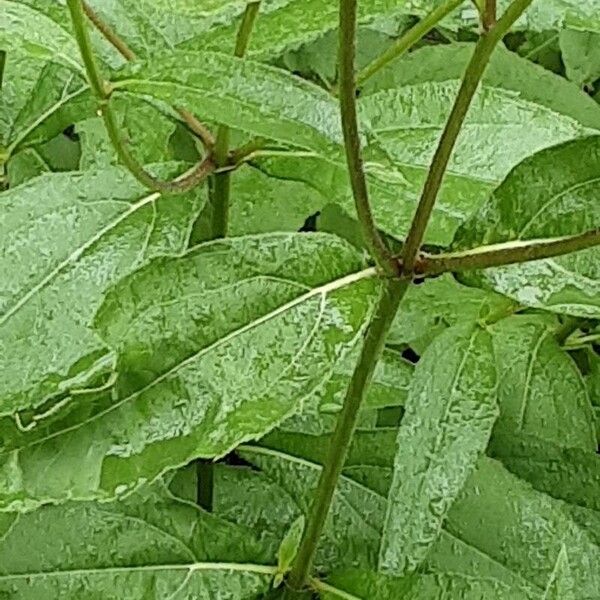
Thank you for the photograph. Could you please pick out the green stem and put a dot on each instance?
(568, 327)
(499, 255)
(391, 295)
(488, 18)
(408, 39)
(102, 93)
(473, 74)
(220, 194)
(347, 93)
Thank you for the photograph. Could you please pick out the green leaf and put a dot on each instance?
(277, 30)
(289, 548)
(352, 529)
(522, 530)
(369, 585)
(152, 541)
(214, 347)
(568, 474)
(25, 165)
(35, 33)
(560, 586)
(506, 71)
(449, 417)
(581, 55)
(550, 194)
(389, 388)
(541, 392)
(65, 238)
(430, 308)
(242, 94)
(262, 204)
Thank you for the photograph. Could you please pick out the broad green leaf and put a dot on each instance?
(242, 94)
(430, 308)
(150, 542)
(581, 55)
(389, 388)
(557, 14)
(261, 204)
(449, 417)
(370, 585)
(59, 98)
(65, 238)
(507, 71)
(25, 165)
(353, 527)
(278, 30)
(550, 194)
(541, 392)
(521, 529)
(214, 347)
(32, 31)
(568, 474)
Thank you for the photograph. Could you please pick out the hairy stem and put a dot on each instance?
(347, 93)
(195, 126)
(499, 255)
(222, 181)
(472, 77)
(408, 39)
(391, 295)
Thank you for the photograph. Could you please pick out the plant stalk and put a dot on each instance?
(488, 18)
(347, 94)
(499, 255)
(220, 196)
(407, 40)
(472, 77)
(391, 295)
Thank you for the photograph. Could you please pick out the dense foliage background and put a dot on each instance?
(139, 343)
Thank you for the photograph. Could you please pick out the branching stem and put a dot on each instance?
(194, 125)
(473, 74)
(102, 92)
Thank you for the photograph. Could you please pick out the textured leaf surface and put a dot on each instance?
(242, 94)
(65, 238)
(389, 388)
(507, 71)
(430, 308)
(569, 474)
(297, 22)
(521, 529)
(153, 546)
(449, 417)
(581, 55)
(551, 194)
(215, 347)
(363, 585)
(36, 34)
(541, 391)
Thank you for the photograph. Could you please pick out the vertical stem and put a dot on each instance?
(488, 19)
(222, 181)
(473, 74)
(347, 93)
(391, 295)
(409, 39)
